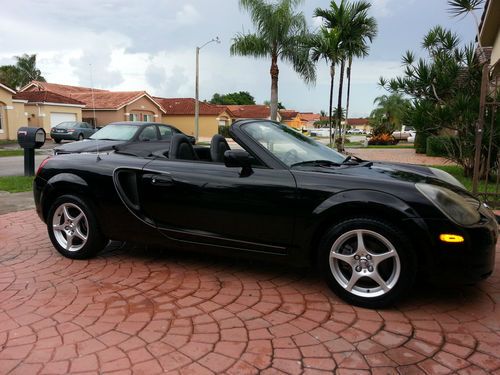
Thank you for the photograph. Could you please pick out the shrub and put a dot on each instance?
(439, 145)
(421, 142)
(224, 131)
(382, 139)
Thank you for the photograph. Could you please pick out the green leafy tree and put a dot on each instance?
(280, 34)
(445, 89)
(19, 75)
(233, 98)
(391, 109)
(9, 75)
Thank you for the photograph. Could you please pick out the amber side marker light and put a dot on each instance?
(451, 238)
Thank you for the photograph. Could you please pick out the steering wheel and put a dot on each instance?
(290, 157)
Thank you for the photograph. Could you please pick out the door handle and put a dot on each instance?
(162, 180)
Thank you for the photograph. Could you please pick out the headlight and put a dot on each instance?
(453, 205)
(446, 177)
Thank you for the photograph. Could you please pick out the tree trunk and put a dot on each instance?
(339, 104)
(330, 123)
(274, 88)
(349, 69)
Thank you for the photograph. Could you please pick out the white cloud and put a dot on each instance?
(188, 15)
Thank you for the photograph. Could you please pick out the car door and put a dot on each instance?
(209, 203)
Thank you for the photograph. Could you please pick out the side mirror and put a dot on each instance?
(239, 159)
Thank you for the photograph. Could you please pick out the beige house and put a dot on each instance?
(102, 106)
(179, 112)
(490, 32)
(36, 109)
(46, 109)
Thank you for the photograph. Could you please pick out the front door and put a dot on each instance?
(212, 204)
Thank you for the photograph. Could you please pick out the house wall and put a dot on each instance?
(17, 118)
(144, 106)
(104, 117)
(495, 54)
(208, 124)
(6, 109)
(39, 115)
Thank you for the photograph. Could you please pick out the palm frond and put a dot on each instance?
(462, 7)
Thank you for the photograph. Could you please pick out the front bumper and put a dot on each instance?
(467, 262)
(38, 188)
(64, 136)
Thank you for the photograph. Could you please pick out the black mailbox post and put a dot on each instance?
(30, 139)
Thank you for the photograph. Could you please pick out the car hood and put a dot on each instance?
(90, 145)
(382, 172)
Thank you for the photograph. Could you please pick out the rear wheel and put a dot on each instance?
(73, 228)
(368, 262)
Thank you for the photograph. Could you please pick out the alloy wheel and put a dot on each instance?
(365, 263)
(70, 227)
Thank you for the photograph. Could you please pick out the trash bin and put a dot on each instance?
(30, 139)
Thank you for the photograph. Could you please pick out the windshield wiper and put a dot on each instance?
(316, 163)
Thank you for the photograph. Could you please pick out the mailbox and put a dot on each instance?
(29, 139)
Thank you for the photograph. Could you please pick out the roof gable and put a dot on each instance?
(7, 88)
(46, 97)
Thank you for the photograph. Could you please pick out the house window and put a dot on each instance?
(1, 117)
(148, 118)
(133, 117)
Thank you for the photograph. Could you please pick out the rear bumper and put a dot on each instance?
(467, 262)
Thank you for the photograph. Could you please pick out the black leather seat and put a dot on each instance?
(181, 148)
(218, 146)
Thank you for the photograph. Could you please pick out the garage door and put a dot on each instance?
(56, 118)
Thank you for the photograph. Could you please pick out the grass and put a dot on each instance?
(7, 142)
(458, 172)
(16, 184)
(4, 153)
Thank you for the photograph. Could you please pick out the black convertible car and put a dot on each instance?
(370, 227)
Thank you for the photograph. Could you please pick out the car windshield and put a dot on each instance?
(289, 146)
(116, 133)
(68, 124)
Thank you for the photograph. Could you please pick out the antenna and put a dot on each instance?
(93, 108)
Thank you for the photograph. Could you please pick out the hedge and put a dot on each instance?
(421, 142)
(438, 145)
(224, 131)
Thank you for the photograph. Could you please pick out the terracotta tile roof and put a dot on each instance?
(249, 111)
(46, 97)
(185, 106)
(309, 116)
(107, 99)
(357, 121)
(57, 88)
(287, 114)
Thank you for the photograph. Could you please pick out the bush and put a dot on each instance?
(439, 145)
(421, 142)
(224, 131)
(382, 139)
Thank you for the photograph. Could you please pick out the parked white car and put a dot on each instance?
(404, 133)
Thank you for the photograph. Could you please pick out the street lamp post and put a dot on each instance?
(197, 88)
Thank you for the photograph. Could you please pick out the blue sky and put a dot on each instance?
(150, 45)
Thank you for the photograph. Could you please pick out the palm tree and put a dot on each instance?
(355, 30)
(27, 70)
(325, 45)
(390, 108)
(364, 30)
(281, 34)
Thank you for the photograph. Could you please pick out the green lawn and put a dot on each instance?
(457, 172)
(16, 184)
(4, 153)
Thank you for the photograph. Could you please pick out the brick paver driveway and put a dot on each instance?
(136, 310)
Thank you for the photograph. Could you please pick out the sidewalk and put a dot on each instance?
(13, 202)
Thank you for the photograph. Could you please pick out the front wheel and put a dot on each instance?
(80, 137)
(57, 140)
(368, 262)
(73, 228)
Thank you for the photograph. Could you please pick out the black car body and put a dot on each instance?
(119, 133)
(72, 131)
(350, 216)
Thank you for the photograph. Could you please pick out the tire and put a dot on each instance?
(377, 282)
(57, 140)
(72, 215)
(80, 137)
